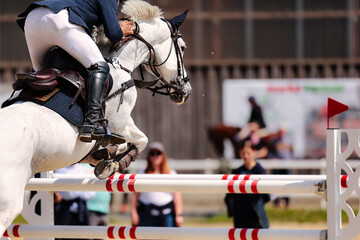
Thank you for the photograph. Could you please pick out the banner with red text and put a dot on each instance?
(298, 105)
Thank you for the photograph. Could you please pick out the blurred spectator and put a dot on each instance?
(99, 209)
(124, 203)
(71, 208)
(248, 209)
(256, 113)
(281, 148)
(253, 134)
(156, 208)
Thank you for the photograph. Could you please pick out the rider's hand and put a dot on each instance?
(127, 27)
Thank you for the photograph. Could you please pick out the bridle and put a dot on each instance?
(172, 88)
(165, 88)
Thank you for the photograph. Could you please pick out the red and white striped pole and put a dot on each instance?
(122, 232)
(200, 176)
(186, 186)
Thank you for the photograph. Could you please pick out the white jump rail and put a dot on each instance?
(196, 177)
(199, 176)
(173, 185)
(184, 233)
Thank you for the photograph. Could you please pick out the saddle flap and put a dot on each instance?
(75, 79)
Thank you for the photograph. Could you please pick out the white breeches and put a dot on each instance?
(44, 29)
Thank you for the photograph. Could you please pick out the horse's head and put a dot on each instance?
(163, 48)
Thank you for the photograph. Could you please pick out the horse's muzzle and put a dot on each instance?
(180, 96)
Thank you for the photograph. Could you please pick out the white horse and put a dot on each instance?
(34, 139)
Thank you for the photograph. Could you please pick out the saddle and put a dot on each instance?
(61, 74)
(46, 80)
(59, 66)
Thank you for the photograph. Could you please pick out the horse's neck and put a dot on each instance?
(127, 55)
(135, 52)
(132, 55)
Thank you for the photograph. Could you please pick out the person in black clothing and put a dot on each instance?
(248, 209)
(256, 113)
(70, 206)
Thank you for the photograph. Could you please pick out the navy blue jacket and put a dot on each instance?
(85, 13)
(248, 209)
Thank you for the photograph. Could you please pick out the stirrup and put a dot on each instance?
(85, 133)
(109, 137)
(89, 132)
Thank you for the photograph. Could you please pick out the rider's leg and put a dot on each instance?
(38, 37)
(45, 29)
(95, 89)
(78, 43)
(57, 30)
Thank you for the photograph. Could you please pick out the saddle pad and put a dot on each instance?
(60, 103)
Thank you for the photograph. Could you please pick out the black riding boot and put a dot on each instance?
(96, 81)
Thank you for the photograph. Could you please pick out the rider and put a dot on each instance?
(68, 24)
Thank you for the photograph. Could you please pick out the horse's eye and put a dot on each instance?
(183, 48)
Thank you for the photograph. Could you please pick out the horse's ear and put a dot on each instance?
(178, 20)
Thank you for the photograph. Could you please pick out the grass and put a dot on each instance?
(20, 220)
(274, 215)
(296, 215)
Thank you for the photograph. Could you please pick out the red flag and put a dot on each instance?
(334, 108)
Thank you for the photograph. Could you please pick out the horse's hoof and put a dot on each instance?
(106, 169)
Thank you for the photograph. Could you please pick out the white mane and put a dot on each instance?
(140, 10)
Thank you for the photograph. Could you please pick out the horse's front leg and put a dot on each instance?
(14, 174)
(117, 158)
(133, 135)
(11, 199)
